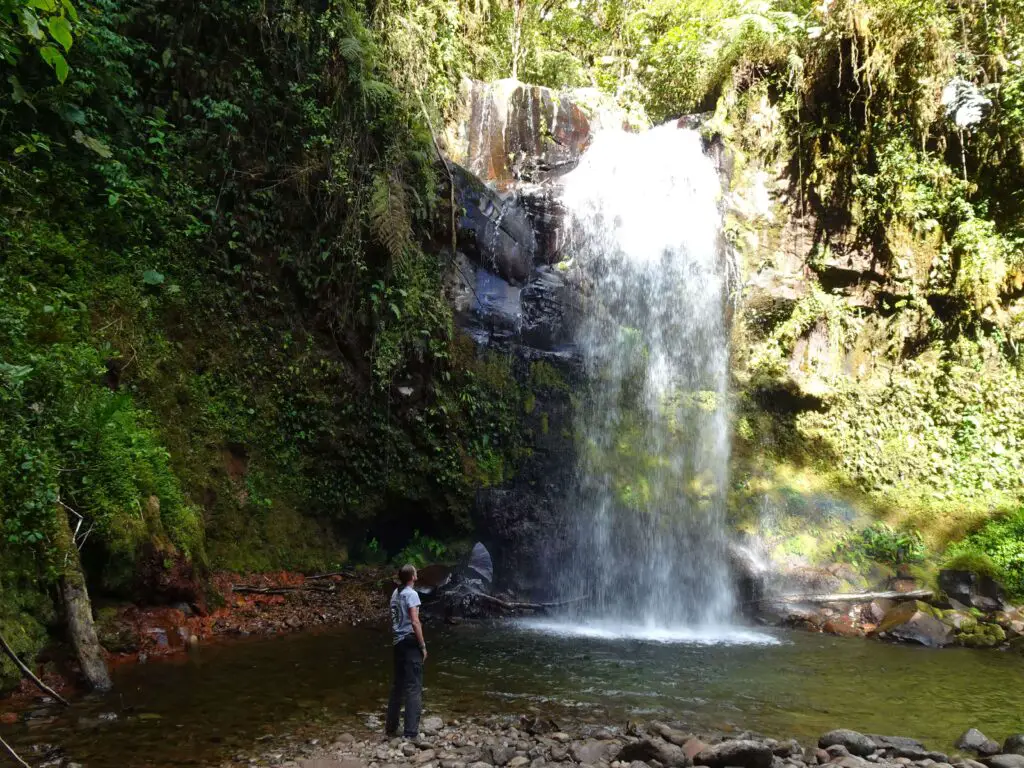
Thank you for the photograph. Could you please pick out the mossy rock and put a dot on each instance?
(982, 636)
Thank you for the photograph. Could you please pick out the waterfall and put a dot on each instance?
(647, 510)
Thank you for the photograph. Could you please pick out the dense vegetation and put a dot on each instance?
(224, 340)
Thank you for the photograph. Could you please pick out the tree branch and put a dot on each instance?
(28, 672)
(14, 755)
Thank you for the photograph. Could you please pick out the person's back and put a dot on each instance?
(410, 651)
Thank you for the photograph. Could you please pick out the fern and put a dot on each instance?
(389, 217)
(351, 50)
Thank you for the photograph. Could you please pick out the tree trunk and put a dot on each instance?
(78, 609)
(517, 35)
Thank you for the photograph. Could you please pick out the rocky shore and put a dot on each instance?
(538, 742)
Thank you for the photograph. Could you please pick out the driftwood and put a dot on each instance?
(14, 755)
(28, 673)
(852, 597)
(328, 575)
(514, 606)
(280, 590)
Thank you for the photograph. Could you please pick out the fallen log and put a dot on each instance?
(516, 606)
(280, 590)
(328, 575)
(851, 597)
(9, 652)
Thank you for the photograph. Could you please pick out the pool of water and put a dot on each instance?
(197, 709)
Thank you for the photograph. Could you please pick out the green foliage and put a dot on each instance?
(422, 550)
(882, 544)
(998, 547)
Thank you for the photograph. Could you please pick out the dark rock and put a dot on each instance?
(1014, 745)
(742, 753)
(836, 751)
(857, 743)
(1004, 761)
(494, 233)
(972, 589)
(975, 741)
(913, 622)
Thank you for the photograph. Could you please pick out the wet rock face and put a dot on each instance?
(511, 131)
(513, 297)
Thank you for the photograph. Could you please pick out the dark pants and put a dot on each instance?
(407, 685)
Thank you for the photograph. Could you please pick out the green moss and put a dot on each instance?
(982, 636)
(24, 614)
(546, 376)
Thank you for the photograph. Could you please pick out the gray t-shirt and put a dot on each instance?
(401, 601)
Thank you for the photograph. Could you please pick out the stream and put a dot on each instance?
(217, 702)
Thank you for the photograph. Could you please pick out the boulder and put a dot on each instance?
(742, 753)
(973, 740)
(857, 743)
(972, 589)
(1014, 745)
(1004, 761)
(647, 750)
(914, 622)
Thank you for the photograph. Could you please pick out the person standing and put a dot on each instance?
(410, 651)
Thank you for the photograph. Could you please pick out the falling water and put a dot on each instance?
(648, 505)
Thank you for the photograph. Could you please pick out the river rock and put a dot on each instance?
(518, 762)
(594, 751)
(857, 743)
(647, 750)
(693, 747)
(1004, 761)
(500, 755)
(432, 725)
(973, 740)
(424, 757)
(1014, 745)
(670, 735)
(836, 751)
(743, 753)
(913, 622)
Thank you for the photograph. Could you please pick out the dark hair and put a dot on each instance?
(406, 572)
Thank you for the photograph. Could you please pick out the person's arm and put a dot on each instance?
(417, 628)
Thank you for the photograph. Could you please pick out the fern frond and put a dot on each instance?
(389, 217)
(376, 91)
(351, 50)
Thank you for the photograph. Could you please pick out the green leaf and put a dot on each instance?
(61, 31)
(95, 145)
(152, 277)
(56, 60)
(18, 93)
(69, 9)
(31, 24)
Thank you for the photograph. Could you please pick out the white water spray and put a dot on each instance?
(654, 426)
